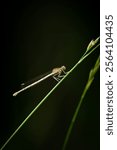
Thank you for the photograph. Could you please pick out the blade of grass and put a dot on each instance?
(89, 82)
(51, 91)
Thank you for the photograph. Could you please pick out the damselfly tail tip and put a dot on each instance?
(15, 94)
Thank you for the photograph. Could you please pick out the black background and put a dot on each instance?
(38, 36)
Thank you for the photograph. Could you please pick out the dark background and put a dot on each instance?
(39, 36)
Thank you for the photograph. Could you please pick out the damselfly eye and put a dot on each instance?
(63, 68)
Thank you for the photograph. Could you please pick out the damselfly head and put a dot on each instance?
(63, 68)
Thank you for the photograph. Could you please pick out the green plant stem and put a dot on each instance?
(89, 82)
(45, 98)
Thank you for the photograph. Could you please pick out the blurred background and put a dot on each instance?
(38, 36)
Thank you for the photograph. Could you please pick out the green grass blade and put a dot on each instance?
(89, 82)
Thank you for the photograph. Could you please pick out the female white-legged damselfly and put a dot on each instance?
(56, 73)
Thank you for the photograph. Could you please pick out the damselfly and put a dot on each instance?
(56, 73)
